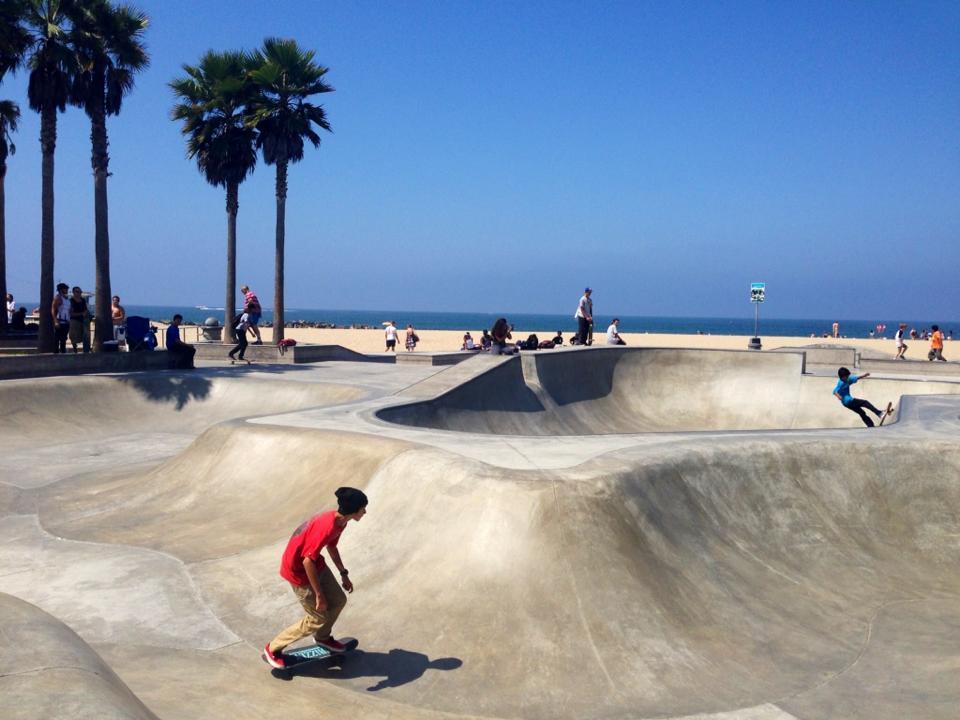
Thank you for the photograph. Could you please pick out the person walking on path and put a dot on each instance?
(390, 333)
(243, 322)
(842, 393)
(60, 309)
(936, 345)
(251, 306)
(584, 316)
(79, 321)
(901, 345)
(181, 353)
(311, 579)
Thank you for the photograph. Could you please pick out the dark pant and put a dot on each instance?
(241, 346)
(181, 356)
(857, 406)
(60, 333)
(583, 330)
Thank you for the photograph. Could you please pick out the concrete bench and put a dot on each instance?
(48, 364)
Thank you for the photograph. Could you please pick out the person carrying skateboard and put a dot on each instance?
(312, 580)
(842, 392)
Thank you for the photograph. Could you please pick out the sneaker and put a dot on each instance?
(273, 659)
(332, 645)
(258, 342)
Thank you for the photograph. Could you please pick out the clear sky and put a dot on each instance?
(498, 156)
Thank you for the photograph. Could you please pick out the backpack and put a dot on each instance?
(533, 342)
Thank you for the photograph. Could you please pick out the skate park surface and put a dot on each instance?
(589, 533)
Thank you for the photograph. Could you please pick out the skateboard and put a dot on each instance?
(886, 413)
(296, 659)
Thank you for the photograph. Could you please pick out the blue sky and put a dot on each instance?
(498, 156)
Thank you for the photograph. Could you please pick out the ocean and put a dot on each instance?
(475, 322)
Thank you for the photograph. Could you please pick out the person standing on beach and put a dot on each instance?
(11, 308)
(836, 329)
(936, 345)
(584, 316)
(79, 321)
(118, 315)
(842, 392)
(390, 333)
(251, 306)
(412, 339)
(901, 345)
(60, 309)
(311, 579)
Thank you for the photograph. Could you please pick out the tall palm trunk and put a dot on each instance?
(229, 306)
(100, 160)
(278, 269)
(3, 249)
(48, 144)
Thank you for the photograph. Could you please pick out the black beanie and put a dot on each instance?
(350, 500)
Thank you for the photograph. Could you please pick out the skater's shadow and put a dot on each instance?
(395, 668)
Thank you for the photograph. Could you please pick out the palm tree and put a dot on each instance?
(44, 26)
(213, 99)
(108, 41)
(9, 115)
(285, 76)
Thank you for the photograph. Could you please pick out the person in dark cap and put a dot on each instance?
(312, 580)
(584, 316)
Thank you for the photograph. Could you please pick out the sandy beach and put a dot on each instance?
(372, 341)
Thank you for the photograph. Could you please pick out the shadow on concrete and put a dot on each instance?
(177, 388)
(394, 668)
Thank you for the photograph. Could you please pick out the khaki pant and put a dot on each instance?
(316, 623)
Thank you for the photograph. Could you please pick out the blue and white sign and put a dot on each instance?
(757, 292)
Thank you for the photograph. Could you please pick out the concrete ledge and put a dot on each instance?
(437, 358)
(910, 367)
(826, 355)
(47, 364)
(18, 340)
(291, 356)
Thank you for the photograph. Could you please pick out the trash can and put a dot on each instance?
(211, 331)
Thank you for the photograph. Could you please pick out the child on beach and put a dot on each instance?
(312, 580)
(901, 345)
(842, 393)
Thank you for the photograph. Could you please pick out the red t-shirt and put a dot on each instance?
(307, 541)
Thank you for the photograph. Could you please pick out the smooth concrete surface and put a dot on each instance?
(541, 553)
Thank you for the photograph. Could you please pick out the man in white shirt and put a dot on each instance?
(11, 308)
(584, 316)
(391, 335)
(613, 336)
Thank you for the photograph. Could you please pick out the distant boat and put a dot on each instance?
(206, 307)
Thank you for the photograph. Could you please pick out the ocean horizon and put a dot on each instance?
(474, 321)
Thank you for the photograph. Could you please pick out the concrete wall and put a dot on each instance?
(43, 365)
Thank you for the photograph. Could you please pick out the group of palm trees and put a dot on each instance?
(235, 103)
(85, 53)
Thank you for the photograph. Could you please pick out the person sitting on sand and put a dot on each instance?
(468, 343)
(558, 340)
(486, 341)
(312, 580)
(613, 335)
(500, 333)
(842, 392)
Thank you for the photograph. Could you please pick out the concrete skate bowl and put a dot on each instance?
(635, 390)
(765, 578)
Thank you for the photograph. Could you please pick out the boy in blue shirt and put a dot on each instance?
(842, 392)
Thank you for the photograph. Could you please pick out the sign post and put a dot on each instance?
(757, 295)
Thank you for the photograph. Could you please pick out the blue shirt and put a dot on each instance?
(173, 336)
(843, 387)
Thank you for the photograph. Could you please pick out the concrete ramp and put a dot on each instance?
(48, 671)
(634, 390)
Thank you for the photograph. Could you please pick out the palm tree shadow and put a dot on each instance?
(395, 668)
(178, 388)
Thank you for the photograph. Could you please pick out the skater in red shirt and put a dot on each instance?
(312, 580)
